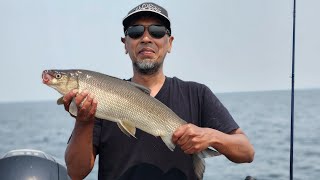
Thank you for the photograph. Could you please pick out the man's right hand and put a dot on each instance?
(85, 102)
(80, 154)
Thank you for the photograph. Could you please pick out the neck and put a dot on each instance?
(153, 81)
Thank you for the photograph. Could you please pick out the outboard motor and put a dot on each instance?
(28, 164)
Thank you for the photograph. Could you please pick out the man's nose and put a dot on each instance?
(146, 37)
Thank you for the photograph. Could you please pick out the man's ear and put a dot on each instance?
(170, 43)
(123, 40)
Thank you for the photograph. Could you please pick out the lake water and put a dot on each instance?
(264, 116)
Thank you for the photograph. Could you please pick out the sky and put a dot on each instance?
(229, 45)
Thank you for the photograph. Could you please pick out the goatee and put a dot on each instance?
(147, 67)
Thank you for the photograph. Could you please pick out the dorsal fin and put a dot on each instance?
(142, 88)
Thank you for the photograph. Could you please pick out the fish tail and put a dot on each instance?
(199, 163)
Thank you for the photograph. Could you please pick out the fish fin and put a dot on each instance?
(127, 129)
(168, 141)
(73, 109)
(142, 88)
(60, 101)
(198, 165)
(209, 152)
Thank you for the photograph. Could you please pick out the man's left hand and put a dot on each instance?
(192, 139)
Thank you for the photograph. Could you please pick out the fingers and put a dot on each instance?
(186, 146)
(93, 109)
(80, 97)
(85, 104)
(190, 138)
(194, 145)
(184, 138)
(183, 134)
(178, 133)
(68, 98)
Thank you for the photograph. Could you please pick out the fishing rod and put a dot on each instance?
(292, 89)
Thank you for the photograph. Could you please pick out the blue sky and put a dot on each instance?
(229, 45)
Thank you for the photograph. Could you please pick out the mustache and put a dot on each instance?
(146, 48)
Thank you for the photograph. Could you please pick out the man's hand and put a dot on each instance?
(85, 102)
(192, 139)
(235, 145)
(80, 154)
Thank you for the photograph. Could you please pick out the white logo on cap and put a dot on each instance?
(150, 7)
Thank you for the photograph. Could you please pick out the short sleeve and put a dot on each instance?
(214, 114)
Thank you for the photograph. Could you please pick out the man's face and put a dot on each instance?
(146, 52)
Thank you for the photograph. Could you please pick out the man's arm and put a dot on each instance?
(235, 145)
(80, 153)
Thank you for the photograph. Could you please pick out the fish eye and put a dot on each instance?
(58, 76)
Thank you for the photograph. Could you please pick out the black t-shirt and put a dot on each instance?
(147, 157)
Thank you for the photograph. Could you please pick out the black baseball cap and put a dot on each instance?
(147, 8)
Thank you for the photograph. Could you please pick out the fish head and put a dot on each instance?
(61, 80)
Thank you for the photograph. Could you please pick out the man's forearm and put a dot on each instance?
(236, 146)
(79, 155)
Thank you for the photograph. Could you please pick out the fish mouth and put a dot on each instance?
(46, 77)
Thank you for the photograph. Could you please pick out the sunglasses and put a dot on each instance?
(156, 31)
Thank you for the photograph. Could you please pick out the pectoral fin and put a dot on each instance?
(142, 88)
(60, 101)
(73, 109)
(209, 152)
(127, 129)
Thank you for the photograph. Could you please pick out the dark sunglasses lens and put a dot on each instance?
(135, 32)
(157, 31)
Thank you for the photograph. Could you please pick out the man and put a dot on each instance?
(147, 41)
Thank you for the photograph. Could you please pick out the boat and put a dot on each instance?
(30, 164)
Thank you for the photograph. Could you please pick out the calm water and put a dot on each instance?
(264, 116)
